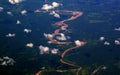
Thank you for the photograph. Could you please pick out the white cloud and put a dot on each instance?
(37, 11)
(55, 14)
(6, 61)
(54, 51)
(102, 38)
(61, 37)
(117, 29)
(23, 12)
(117, 42)
(18, 22)
(1, 9)
(106, 43)
(48, 35)
(44, 49)
(78, 43)
(48, 7)
(47, 50)
(55, 4)
(15, 1)
(10, 35)
(103, 67)
(43, 68)
(27, 30)
(10, 13)
(30, 45)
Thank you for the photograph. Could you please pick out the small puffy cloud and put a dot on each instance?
(48, 35)
(23, 12)
(10, 13)
(43, 68)
(30, 45)
(117, 42)
(44, 49)
(102, 38)
(48, 7)
(15, 1)
(1, 9)
(47, 50)
(27, 30)
(55, 4)
(5, 61)
(54, 51)
(55, 14)
(117, 29)
(78, 43)
(61, 37)
(106, 43)
(103, 67)
(10, 35)
(37, 11)
(18, 22)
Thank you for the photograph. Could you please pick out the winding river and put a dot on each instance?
(61, 25)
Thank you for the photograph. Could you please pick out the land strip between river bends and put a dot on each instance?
(66, 51)
(62, 26)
